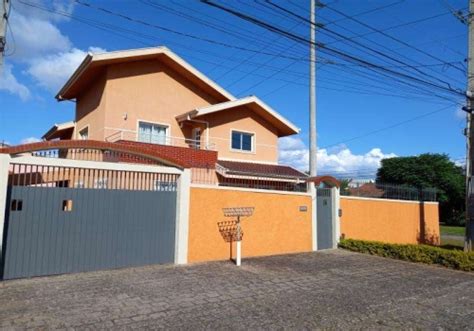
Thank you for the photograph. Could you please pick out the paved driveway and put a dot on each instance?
(334, 289)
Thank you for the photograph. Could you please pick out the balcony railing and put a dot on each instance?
(131, 135)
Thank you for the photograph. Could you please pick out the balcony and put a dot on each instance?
(157, 139)
(191, 153)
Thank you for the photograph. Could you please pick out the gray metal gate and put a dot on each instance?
(325, 219)
(71, 220)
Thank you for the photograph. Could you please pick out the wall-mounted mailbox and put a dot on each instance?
(304, 208)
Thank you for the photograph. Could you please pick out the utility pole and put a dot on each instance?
(4, 11)
(469, 236)
(313, 149)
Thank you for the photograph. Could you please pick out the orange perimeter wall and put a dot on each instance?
(389, 221)
(277, 226)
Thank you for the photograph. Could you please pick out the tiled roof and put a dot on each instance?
(260, 169)
(367, 190)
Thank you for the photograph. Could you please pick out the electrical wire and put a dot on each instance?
(383, 33)
(331, 51)
(113, 29)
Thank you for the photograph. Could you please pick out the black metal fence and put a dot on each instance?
(390, 191)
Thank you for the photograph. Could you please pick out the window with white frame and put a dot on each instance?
(197, 138)
(152, 133)
(84, 133)
(242, 141)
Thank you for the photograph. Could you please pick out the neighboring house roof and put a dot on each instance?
(60, 130)
(283, 126)
(367, 190)
(94, 61)
(232, 168)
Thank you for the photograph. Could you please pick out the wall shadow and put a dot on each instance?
(422, 225)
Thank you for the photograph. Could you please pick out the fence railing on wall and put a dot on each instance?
(159, 139)
(211, 177)
(94, 155)
(89, 178)
(390, 191)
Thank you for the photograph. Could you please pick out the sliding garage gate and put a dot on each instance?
(63, 220)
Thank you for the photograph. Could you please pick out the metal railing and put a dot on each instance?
(131, 135)
(89, 178)
(95, 155)
(212, 177)
(391, 191)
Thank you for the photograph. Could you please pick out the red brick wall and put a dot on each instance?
(188, 157)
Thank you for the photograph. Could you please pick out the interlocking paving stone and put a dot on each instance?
(324, 290)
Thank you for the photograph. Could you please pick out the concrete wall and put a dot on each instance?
(277, 226)
(391, 221)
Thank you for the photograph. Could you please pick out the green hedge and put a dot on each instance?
(413, 253)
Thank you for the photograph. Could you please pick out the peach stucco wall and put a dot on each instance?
(277, 226)
(150, 91)
(389, 221)
(90, 109)
(242, 119)
(153, 92)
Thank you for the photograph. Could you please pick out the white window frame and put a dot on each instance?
(84, 128)
(165, 125)
(253, 141)
(197, 143)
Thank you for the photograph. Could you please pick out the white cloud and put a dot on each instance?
(459, 113)
(66, 7)
(334, 161)
(36, 37)
(293, 151)
(9, 83)
(52, 71)
(45, 53)
(30, 140)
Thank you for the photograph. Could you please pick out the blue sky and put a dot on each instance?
(44, 48)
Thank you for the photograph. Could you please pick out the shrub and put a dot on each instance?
(414, 253)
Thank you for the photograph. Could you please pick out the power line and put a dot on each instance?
(330, 51)
(391, 37)
(255, 54)
(183, 34)
(355, 15)
(170, 30)
(114, 30)
(350, 39)
(412, 119)
(199, 20)
(440, 41)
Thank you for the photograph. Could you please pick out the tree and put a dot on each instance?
(344, 188)
(430, 171)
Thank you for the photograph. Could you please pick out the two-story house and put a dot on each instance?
(153, 97)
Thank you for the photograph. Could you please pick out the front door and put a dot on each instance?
(325, 219)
